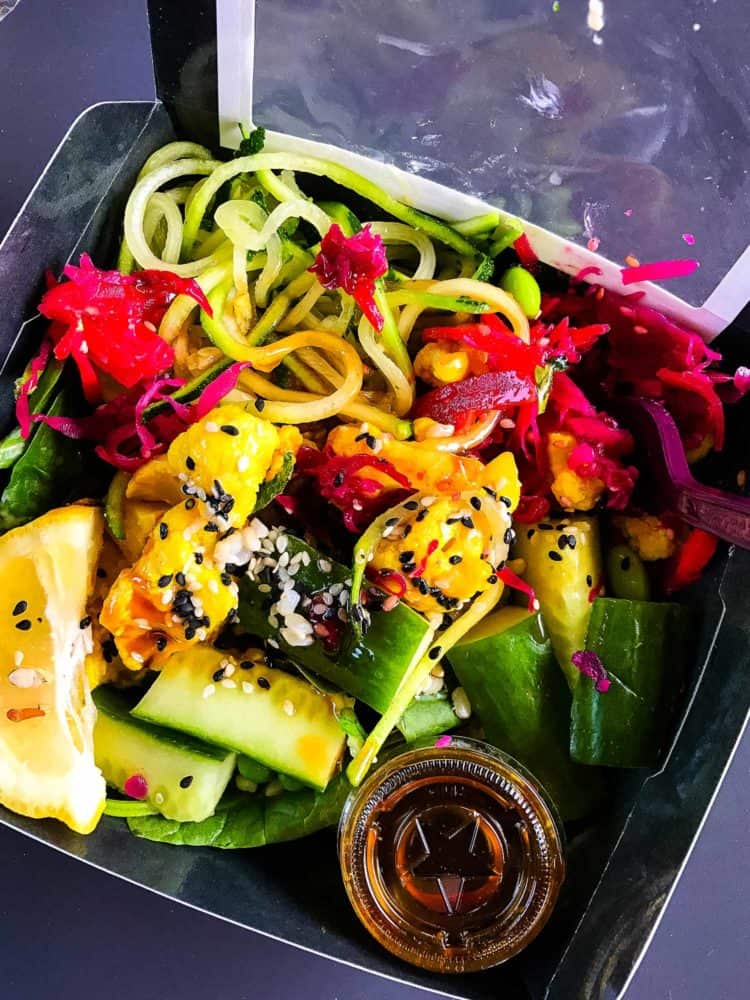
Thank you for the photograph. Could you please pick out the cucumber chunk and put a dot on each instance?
(507, 668)
(369, 669)
(185, 778)
(278, 720)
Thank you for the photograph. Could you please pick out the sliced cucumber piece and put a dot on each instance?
(279, 720)
(428, 716)
(185, 778)
(507, 669)
(371, 668)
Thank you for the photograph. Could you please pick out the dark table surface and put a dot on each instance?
(69, 931)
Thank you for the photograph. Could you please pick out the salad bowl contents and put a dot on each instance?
(312, 484)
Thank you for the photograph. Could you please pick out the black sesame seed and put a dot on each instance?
(434, 654)
(407, 531)
(163, 531)
(161, 643)
(211, 527)
(476, 503)
(218, 674)
(246, 664)
(507, 501)
(490, 492)
(187, 781)
(180, 579)
(501, 565)
(229, 429)
(260, 405)
(198, 556)
(20, 608)
(190, 462)
(109, 650)
(24, 625)
(409, 567)
(562, 542)
(530, 533)
(455, 560)
(361, 437)
(85, 622)
(509, 537)
(189, 504)
(225, 579)
(625, 563)
(422, 514)
(543, 526)
(370, 441)
(422, 586)
(101, 573)
(492, 578)
(165, 580)
(40, 620)
(406, 557)
(589, 581)
(189, 633)
(562, 526)
(338, 479)
(555, 556)
(467, 521)
(411, 505)
(572, 541)
(391, 522)
(264, 683)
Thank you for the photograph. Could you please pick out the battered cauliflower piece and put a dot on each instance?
(222, 460)
(427, 469)
(648, 536)
(435, 558)
(103, 663)
(571, 491)
(174, 596)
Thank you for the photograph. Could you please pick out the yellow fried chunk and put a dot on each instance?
(155, 482)
(648, 536)
(222, 459)
(571, 491)
(174, 595)
(441, 362)
(139, 518)
(438, 554)
(428, 470)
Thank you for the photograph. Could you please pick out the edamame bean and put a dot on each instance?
(524, 288)
(252, 770)
(627, 574)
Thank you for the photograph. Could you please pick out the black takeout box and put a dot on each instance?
(624, 865)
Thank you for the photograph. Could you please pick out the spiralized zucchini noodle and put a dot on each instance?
(248, 233)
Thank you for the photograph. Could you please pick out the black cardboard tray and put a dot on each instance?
(622, 867)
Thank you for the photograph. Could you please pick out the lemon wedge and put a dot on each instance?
(46, 713)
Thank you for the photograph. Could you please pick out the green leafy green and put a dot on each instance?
(252, 142)
(243, 821)
(272, 487)
(355, 734)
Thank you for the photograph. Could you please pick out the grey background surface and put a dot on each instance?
(69, 931)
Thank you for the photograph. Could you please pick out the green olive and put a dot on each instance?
(627, 575)
(524, 288)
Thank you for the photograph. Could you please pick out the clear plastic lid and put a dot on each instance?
(622, 123)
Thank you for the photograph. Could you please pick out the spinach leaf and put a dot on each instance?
(243, 821)
(46, 474)
(13, 445)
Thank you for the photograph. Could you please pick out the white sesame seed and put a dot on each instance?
(211, 427)
(335, 589)
(507, 423)
(213, 586)
(166, 597)
(208, 690)
(273, 643)
(326, 598)
(428, 501)
(25, 677)
(18, 658)
(342, 615)
(142, 623)
(159, 798)
(281, 543)
(228, 683)
(284, 560)
(325, 566)
(137, 657)
(247, 687)
(201, 635)
(305, 559)
(288, 707)
(264, 588)
(243, 463)
(229, 669)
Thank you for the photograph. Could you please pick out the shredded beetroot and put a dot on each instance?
(525, 252)
(216, 390)
(659, 270)
(136, 786)
(37, 366)
(490, 391)
(359, 498)
(531, 509)
(586, 271)
(591, 666)
(108, 321)
(353, 263)
(510, 579)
